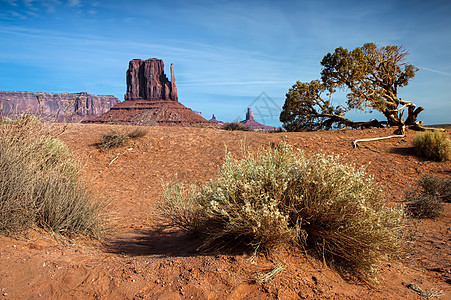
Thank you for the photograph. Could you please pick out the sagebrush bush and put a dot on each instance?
(114, 139)
(39, 183)
(234, 126)
(424, 205)
(426, 202)
(434, 186)
(433, 144)
(278, 196)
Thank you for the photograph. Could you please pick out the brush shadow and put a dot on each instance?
(405, 151)
(168, 244)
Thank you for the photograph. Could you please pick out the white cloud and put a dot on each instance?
(74, 3)
(12, 2)
(28, 3)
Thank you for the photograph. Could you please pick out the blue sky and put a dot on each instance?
(227, 55)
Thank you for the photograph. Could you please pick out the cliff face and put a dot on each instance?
(151, 99)
(60, 107)
(146, 81)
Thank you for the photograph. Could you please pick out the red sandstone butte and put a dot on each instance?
(253, 125)
(151, 99)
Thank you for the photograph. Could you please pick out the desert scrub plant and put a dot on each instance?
(427, 200)
(234, 126)
(278, 197)
(438, 187)
(114, 139)
(433, 144)
(39, 183)
(423, 206)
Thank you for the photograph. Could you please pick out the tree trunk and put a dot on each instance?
(392, 117)
(412, 114)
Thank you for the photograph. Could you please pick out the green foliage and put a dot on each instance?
(433, 144)
(235, 126)
(306, 110)
(114, 139)
(371, 76)
(39, 183)
(278, 197)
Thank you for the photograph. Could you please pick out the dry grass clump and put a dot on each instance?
(114, 139)
(424, 206)
(427, 201)
(234, 126)
(278, 197)
(441, 188)
(39, 183)
(433, 144)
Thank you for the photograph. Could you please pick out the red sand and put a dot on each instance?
(138, 263)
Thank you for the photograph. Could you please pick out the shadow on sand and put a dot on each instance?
(170, 244)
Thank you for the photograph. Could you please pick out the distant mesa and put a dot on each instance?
(213, 119)
(253, 125)
(151, 99)
(250, 123)
(58, 107)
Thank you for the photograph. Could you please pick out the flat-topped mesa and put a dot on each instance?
(146, 81)
(57, 107)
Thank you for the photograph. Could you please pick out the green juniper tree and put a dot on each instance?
(371, 77)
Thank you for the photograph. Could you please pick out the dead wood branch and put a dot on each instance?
(419, 127)
(120, 154)
(402, 135)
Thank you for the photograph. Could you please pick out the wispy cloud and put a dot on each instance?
(74, 3)
(28, 3)
(435, 71)
(207, 83)
(12, 2)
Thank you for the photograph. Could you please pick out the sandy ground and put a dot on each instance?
(137, 262)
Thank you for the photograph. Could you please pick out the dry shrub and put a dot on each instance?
(278, 197)
(114, 139)
(424, 206)
(441, 188)
(433, 144)
(234, 126)
(39, 183)
(426, 202)
(137, 133)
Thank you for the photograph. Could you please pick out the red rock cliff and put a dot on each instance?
(59, 106)
(146, 81)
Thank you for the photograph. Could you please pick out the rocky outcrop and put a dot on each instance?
(146, 81)
(214, 120)
(173, 87)
(253, 125)
(60, 107)
(151, 99)
(151, 113)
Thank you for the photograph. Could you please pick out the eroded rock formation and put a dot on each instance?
(146, 80)
(61, 107)
(151, 99)
(253, 125)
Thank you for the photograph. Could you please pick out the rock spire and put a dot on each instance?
(146, 80)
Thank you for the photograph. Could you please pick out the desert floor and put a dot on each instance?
(137, 262)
